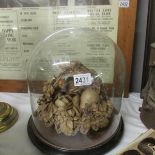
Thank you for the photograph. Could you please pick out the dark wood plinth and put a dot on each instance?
(44, 146)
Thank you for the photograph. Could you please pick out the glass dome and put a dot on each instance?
(76, 83)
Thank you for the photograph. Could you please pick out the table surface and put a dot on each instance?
(16, 141)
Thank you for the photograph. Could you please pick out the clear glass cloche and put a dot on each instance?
(76, 83)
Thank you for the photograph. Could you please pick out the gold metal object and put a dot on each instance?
(8, 116)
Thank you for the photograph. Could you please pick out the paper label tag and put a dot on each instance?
(82, 79)
(123, 3)
(61, 60)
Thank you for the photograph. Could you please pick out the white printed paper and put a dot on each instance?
(25, 27)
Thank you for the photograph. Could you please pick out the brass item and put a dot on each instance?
(8, 116)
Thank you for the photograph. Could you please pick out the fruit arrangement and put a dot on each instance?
(71, 109)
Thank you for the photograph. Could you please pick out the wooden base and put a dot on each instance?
(43, 145)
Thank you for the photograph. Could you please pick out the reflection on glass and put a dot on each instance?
(41, 3)
(32, 3)
(92, 2)
(58, 2)
(17, 3)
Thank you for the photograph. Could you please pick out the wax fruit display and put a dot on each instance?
(71, 108)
